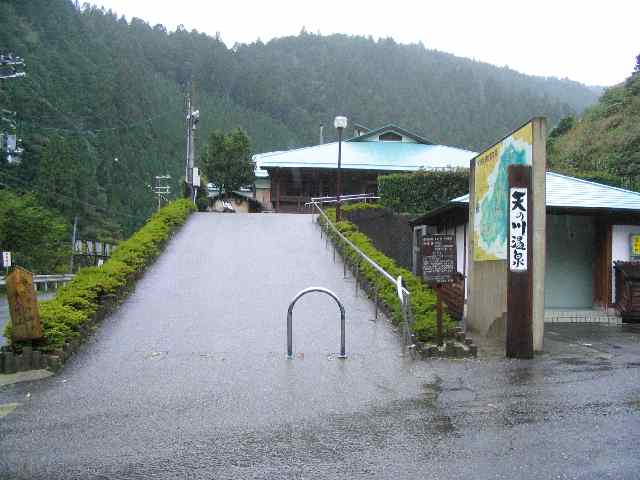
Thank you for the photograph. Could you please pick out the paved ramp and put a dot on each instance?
(198, 352)
(189, 380)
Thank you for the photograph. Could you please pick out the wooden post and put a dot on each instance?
(438, 290)
(278, 184)
(520, 266)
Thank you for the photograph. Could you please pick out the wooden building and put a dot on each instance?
(290, 178)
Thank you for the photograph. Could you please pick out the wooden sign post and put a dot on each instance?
(519, 274)
(439, 266)
(23, 305)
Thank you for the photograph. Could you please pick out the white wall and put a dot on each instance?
(620, 248)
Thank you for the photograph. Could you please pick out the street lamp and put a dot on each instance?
(340, 123)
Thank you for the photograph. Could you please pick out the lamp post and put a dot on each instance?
(340, 123)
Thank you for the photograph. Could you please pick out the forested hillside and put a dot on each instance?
(99, 88)
(603, 145)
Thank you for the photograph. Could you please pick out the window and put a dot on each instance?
(390, 137)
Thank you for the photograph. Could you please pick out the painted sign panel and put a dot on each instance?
(634, 247)
(518, 245)
(438, 258)
(491, 192)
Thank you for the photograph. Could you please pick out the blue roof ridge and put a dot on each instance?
(582, 180)
(280, 152)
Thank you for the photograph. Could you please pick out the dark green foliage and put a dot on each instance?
(563, 126)
(417, 193)
(423, 299)
(76, 303)
(38, 238)
(100, 88)
(226, 162)
(604, 145)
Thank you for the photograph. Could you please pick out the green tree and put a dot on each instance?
(37, 236)
(226, 161)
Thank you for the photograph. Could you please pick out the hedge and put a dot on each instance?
(422, 298)
(420, 192)
(64, 316)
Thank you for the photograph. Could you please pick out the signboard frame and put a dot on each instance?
(439, 248)
(442, 248)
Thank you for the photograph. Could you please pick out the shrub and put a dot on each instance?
(82, 298)
(422, 298)
(420, 192)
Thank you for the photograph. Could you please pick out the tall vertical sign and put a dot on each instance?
(506, 246)
(519, 279)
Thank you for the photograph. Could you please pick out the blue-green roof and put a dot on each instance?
(378, 156)
(563, 191)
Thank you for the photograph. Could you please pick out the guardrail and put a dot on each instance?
(45, 280)
(344, 198)
(403, 294)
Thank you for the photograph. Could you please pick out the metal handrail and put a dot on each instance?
(342, 197)
(403, 294)
(62, 277)
(397, 282)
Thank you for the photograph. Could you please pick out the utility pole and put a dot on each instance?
(11, 66)
(192, 118)
(162, 191)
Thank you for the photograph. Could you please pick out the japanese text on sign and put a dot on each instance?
(518, 247)
(438, 258)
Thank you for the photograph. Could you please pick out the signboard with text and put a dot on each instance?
(6, 259)
(439, 260)
(491, 187)
(518, 243)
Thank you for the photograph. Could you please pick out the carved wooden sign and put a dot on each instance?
(23, 305)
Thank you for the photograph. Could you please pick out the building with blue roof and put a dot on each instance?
(289, 178)
(589, 226)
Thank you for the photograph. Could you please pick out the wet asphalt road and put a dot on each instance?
(189, 380)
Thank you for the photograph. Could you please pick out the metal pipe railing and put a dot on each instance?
(364, 256)
(403, 294)
(354, 196)
(302, 293)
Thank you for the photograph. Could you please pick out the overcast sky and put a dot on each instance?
(593, 42)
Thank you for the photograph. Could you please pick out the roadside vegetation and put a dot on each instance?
(37, 237)
(423, 299)
(603, 145)
(417, 193)
(66, 316)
